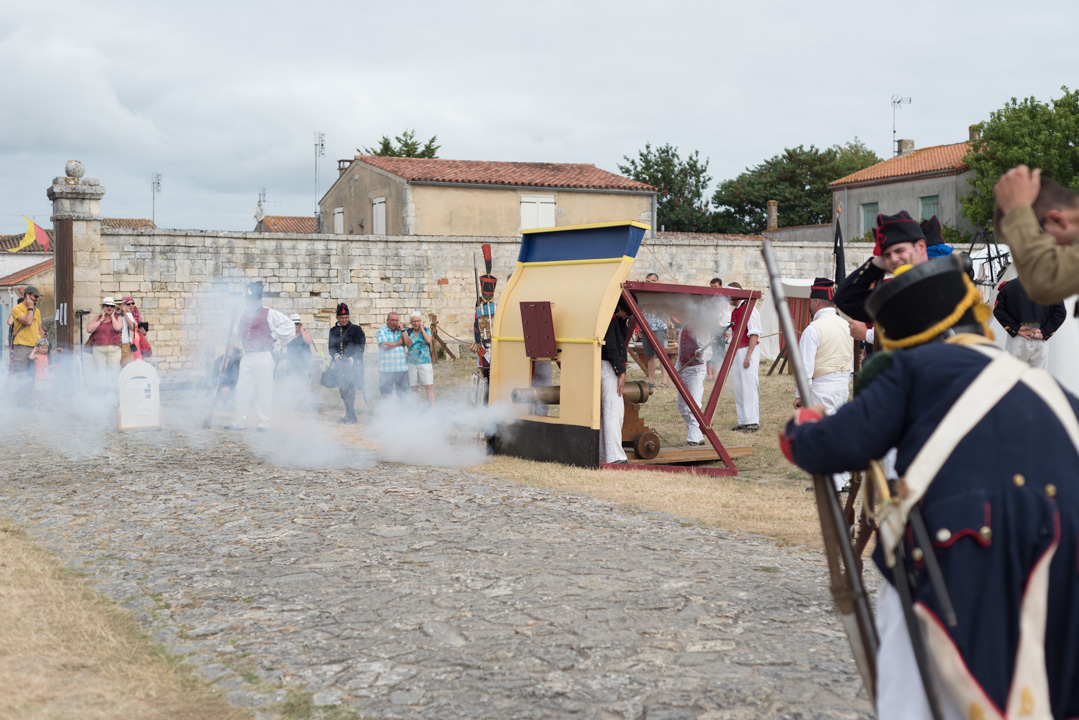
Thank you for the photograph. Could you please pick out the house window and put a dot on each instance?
(339, 221)
(378, 215)
(869, 216)
(928, 206)
(537, 211)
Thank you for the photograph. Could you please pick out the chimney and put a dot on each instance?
(905, 147)
(773, 216)
(975, 132)
(342, 165)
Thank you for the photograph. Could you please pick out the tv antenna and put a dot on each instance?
(897, 104)
(320, 151)
(155, 190)
(259, 212)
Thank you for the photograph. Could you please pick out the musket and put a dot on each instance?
(847, 588)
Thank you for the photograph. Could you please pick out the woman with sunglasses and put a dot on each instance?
(105, 338)
(132, 340)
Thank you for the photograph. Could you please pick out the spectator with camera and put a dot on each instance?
(420, 371)
(106, 330)
(25, 321)
(133, 344)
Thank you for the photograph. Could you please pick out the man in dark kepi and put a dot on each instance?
(258, 328)
(900, 240)
(998, 497)
(347, 346)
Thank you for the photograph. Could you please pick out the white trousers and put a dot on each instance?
(693, 377)
(107, 364)
(832, 392)
(900, 693)
(746, 382)
(255, 379)
(612, 412)
(1032, 352)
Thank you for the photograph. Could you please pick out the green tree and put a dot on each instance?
(1027, 132)
(797, 179)
(407, 146)
(680, 205)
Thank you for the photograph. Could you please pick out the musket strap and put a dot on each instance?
(992, 384)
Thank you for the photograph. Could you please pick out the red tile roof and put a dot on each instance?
(480, 172)
(304, 224)
(128, 223)
(937, 159)
(10, 242)
(715, 237)
(20, 277)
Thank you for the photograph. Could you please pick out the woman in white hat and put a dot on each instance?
(105, 337)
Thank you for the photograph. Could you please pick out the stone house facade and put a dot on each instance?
(923, 182)
(376, 195)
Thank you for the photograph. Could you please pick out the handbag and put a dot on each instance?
(330, 377)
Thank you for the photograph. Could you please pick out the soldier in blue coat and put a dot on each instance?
(988, 451)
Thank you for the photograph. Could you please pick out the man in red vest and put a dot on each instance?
(258, 328)
(745, 368)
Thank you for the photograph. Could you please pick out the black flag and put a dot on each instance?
(840, 262)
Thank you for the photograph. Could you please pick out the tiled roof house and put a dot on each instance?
(303, 224)
(376, 195)
(923, 182)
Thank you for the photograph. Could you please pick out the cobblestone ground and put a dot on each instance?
(271, 561)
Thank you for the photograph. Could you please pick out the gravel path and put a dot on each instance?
(270, 561)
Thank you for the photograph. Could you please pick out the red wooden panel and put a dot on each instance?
(538, 330)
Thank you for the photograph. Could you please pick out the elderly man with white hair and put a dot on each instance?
(420, 371)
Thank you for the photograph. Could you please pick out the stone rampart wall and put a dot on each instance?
(188, 283)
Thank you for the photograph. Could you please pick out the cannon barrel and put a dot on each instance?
(636, 391)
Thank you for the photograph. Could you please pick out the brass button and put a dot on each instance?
(1051, 490)
(944, 535)
(1019, 480)
(986, 533)
(917, 554)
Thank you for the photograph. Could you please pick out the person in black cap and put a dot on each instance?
(1027, 323)
(900, 240)
(347, 346)
(988, 453)
(258, 328)
(827, 356)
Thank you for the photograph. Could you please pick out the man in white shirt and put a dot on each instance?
(826, 352)
(258, 328)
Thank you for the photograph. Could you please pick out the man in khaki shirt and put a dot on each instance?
(1039, 220)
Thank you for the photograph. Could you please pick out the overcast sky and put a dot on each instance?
(223, 98)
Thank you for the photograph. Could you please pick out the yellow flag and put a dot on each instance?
(33, 232)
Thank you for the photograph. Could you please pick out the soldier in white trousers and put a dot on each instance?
(258, 328)
(612, 379)
(692, 366)
(827, 354)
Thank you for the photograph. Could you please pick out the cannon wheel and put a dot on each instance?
(646, 445)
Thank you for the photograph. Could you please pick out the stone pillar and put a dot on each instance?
(772, 222)
(76, 220)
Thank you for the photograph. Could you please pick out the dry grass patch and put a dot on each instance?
(67, 652)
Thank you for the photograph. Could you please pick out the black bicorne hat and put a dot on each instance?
(931, 230)
(342, 309)
(254, 290)
(892, 229)
(823, 289)
(927, 302)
